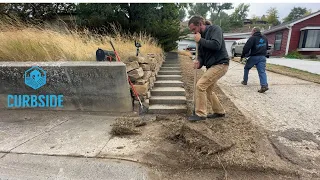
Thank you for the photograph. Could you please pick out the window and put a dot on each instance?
(277, 42)
(309, 38)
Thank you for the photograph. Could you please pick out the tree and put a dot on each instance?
(216, 10)
(255, 18)
(272, 16)
(295, 13)
(182, 10)
(308, 12)
(39, 11)
(160, 20)
(220, 7)
(223, 20)
(263, 18)
(240, 13)
(182, 14)
(201, 9)
(3, 10)
(93, 16)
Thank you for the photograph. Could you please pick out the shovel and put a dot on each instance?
(142, 108)
(195, 83)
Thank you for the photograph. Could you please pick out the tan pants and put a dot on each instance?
(204, 90)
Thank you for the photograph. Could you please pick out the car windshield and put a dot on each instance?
(192, 46)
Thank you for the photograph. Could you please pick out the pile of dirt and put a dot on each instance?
(228, 144)
(127, 126)
(232, 142)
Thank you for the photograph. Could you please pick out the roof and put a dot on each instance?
(225, 35)
(237, 35)
(291, 23)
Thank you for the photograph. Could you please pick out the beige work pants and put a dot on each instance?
(204, 90)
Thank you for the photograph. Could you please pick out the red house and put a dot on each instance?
(302, 35)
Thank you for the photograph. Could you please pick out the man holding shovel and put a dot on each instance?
(212, 54)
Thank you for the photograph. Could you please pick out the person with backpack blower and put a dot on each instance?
(214, 56)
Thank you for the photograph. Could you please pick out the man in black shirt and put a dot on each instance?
(258, 44)
(212, 54)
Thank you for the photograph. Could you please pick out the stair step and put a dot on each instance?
(168, 91)
(168, 83)
(167, 109)
(168, 77)
(168, 100)
(169, 72)
(169, 68)
(170, 65)
(171, 62)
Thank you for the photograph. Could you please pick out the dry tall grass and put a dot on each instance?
(22, 42)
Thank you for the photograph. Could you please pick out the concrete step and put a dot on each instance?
(168, 91)
(170, 69)
(170, 65)
(171, 62)
(167, 109)
(168, 83)
(168, 100)
(169, 72)
(168, 77)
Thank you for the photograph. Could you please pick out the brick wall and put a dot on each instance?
(271, 40)
(295, 34)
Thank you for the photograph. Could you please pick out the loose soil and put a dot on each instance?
(226, 148)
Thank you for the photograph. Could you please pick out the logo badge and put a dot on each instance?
(35, 77)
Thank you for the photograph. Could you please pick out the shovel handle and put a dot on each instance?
(132, 87)
(114, 50)
(195, 81)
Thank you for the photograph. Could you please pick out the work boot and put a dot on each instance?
(263, 89)
(243, 82)
(195, 118)
(215, 115)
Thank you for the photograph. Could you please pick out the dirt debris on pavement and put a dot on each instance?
(230, 144)
(127, 126)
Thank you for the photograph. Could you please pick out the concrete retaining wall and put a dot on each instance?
(88, 86)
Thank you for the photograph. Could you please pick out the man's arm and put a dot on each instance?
(247, 47)
(215, 40)
(267, 42)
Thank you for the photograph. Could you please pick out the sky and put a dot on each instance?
(284, 9)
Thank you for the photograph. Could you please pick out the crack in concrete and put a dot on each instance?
(80, 156)
(104, 146)
(46, 131)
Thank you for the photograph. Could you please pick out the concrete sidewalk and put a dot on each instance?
(33, 167)
(305, 65)
(61, 145)
(290, 110)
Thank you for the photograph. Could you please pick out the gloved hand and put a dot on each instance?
(243, 60)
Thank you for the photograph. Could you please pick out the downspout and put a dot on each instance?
(289, 38)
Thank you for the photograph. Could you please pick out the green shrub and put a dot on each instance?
(294, 55)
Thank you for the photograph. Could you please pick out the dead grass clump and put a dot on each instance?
(118, 130)
(127, 126)
(185, 53)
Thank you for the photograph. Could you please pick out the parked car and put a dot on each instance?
(237, 47)
(192, 49)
